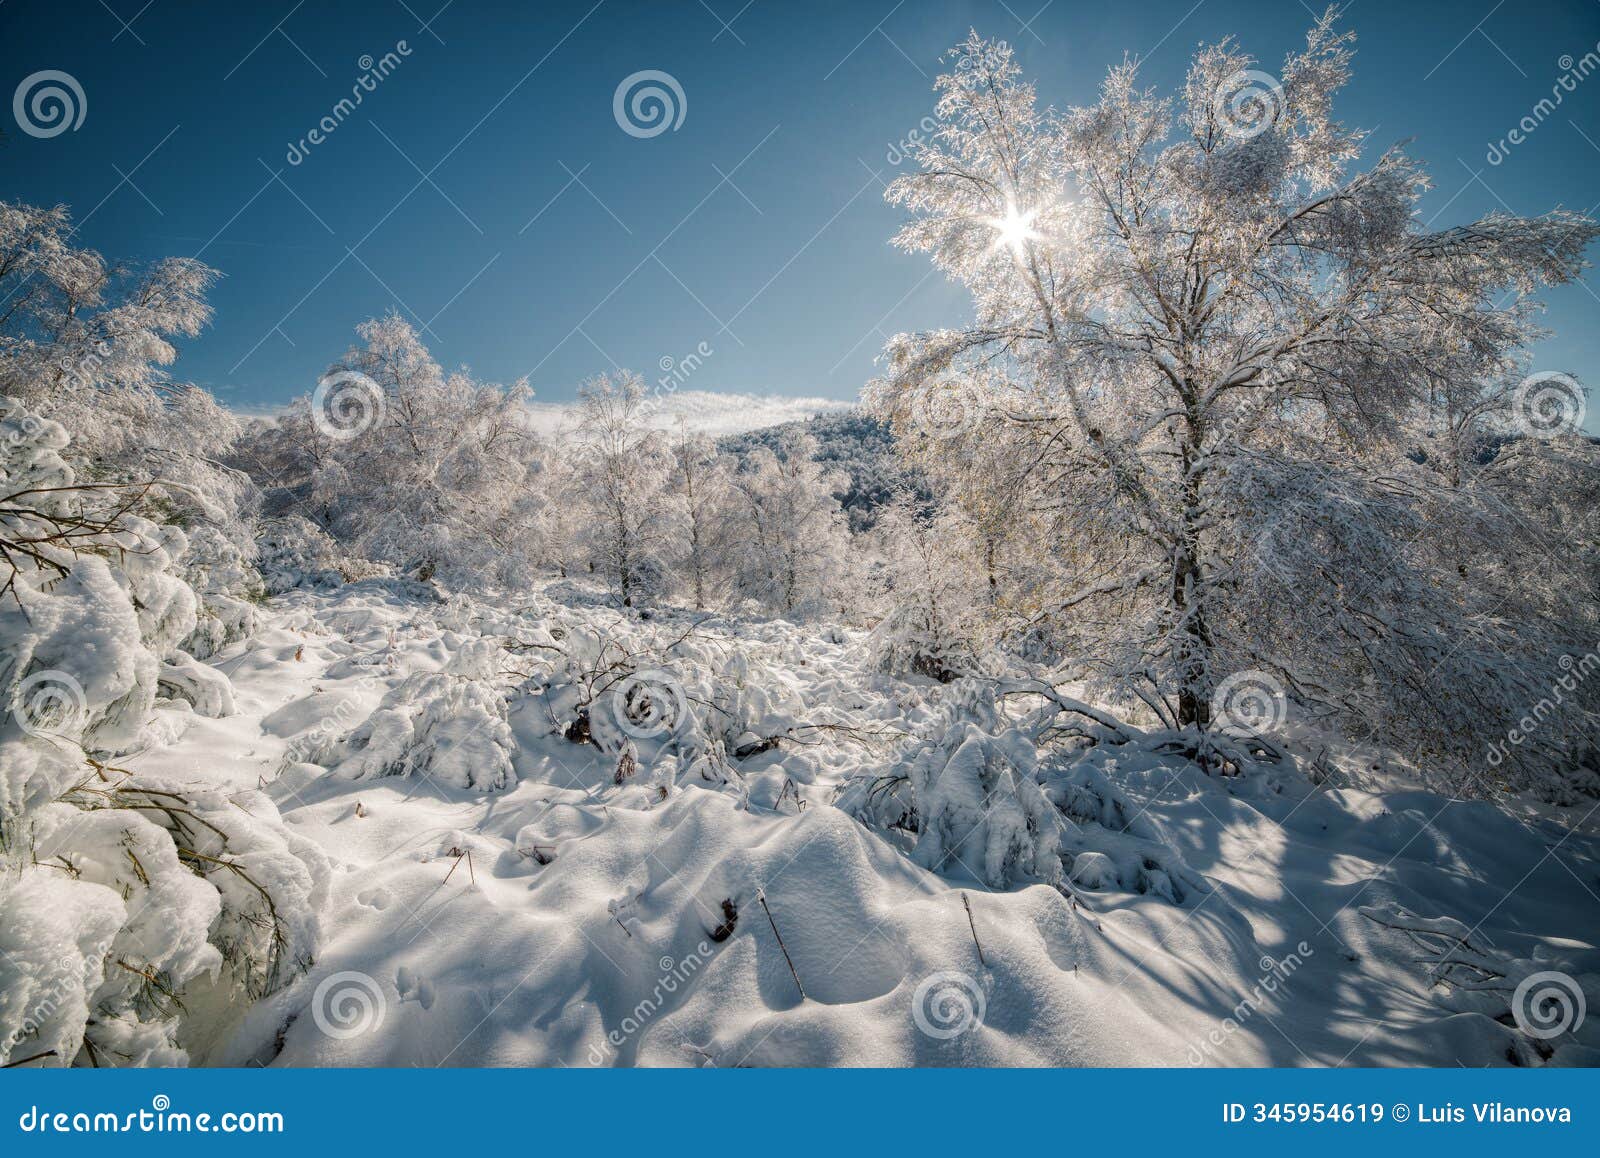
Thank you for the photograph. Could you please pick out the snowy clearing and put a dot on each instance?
(1218, 922)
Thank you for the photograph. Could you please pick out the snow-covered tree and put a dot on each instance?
(431, 472)
(621, 469)
(1231, 341)
(86, 342)
(699, 487)
(937, 617)
(791, 548)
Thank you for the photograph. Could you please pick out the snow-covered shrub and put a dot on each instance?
(1545, 997)
(228, 586)
(122, 894)
(448, 726)
(669, 693)
(127, 895)
(968, 786)
(292, 551)
(1109, 843)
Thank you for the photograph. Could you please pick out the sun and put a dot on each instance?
(1014, 229)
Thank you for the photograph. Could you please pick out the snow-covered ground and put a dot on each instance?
(519, 898)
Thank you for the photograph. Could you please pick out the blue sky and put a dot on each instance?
(485, 189)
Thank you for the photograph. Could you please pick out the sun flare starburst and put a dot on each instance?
(1015, 228)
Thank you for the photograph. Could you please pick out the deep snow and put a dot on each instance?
(572, 920)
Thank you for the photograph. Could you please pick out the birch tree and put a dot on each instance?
(1231, 338)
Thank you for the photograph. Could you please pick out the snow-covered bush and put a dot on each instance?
(130, 897)
(292, 551)
(968, 786)
(448, 726)
(228, 586)
(124, 895)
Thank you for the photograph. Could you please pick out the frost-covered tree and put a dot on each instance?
(936, 616)
(431, 472)
(699, 487)
(1231, 340)
(86, 342)
(791, 548)
(621, 469)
